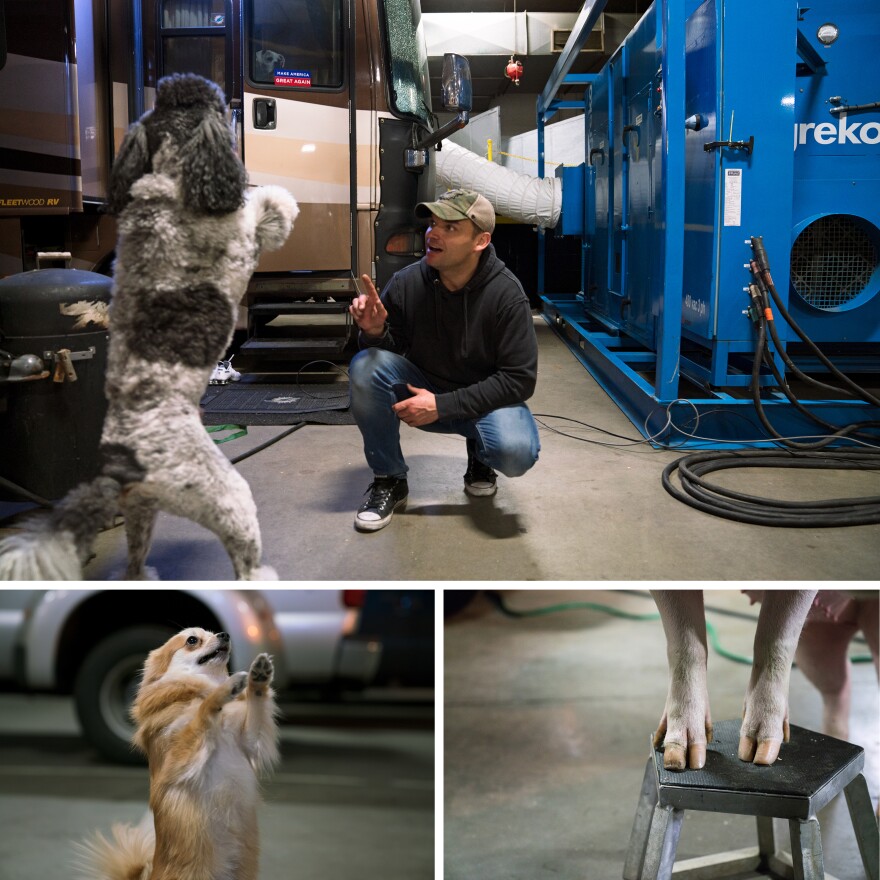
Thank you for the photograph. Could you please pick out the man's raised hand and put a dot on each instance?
(367, 310)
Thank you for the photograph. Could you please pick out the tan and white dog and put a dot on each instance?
(207, 735)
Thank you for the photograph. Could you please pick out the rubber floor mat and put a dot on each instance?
(253, 403)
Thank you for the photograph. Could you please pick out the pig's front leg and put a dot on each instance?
(765, 716)
(686, 725)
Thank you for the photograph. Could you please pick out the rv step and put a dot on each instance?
(289, 307)
(292, 346)
(301, 286)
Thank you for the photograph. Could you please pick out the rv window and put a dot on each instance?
(295, 43)
(203, 55)
(192, 13)
(410, 91)
(194, 38)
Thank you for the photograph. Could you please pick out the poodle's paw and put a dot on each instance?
(274, 210)
(155, 188)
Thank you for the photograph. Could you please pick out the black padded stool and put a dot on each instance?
(811, 770)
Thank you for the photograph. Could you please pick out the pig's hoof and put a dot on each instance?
(684, 745)
(765, 724)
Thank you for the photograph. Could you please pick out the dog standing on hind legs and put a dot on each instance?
(206, 735)
(190, 236)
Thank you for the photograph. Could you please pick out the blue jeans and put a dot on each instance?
(506, 438)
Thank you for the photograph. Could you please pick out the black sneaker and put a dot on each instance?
(386, 495)
(480, 478)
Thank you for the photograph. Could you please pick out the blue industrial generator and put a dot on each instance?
(729, 213)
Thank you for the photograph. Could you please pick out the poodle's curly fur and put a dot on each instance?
(190, 235)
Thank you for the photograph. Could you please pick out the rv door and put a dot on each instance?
(298, 126)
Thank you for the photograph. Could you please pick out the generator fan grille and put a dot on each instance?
(832, 261)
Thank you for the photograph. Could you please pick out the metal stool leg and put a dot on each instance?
(662, 843)
(638, 838)
(770, 859)
(806, 849)
(864, 824)
(766, 838)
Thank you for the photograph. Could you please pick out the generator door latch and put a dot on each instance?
(747, 146)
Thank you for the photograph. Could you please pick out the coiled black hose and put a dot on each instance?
(762, 290)
(695, 491)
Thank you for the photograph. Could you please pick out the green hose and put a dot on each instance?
(711, 632)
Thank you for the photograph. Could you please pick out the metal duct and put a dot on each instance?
(517, 196)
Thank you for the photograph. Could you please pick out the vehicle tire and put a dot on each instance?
(106, 686)
(457, 600)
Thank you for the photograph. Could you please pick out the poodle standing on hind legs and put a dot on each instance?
(190, 235)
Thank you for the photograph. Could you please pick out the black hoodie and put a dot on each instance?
(476, 344)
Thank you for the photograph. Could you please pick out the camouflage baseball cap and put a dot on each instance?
(460, 204)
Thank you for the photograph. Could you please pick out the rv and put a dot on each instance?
(328, 98)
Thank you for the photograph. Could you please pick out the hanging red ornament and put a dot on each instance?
(514, 70)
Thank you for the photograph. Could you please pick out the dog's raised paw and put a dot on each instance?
(237, 683)
(262, 669)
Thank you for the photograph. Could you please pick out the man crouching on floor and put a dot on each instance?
(449, 347)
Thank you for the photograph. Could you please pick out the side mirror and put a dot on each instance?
(455, 83)
(458, 97)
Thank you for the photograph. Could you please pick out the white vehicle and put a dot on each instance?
(92, 643)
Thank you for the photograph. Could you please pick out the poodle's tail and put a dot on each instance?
(128, 856)
(55, 547)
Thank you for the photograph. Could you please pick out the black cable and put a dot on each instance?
(760, 292)
(764, 355)
(766, 280)
(267, 443)
(697, 492)
(320, 396)
(795, 369)
(539, 416)
(26, 494)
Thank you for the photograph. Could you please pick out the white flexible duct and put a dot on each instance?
(517, 196)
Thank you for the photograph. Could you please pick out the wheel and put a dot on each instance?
(456, 600)
(106, 686)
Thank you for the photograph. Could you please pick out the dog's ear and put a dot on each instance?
(212, 176)
(156, 665)
(131, 163)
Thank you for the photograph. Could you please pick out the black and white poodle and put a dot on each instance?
(190, 235)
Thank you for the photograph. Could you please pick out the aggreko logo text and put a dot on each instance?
(844, 132)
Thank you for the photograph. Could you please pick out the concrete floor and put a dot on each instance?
(585, 512)
(350, 801)
(547, 722)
